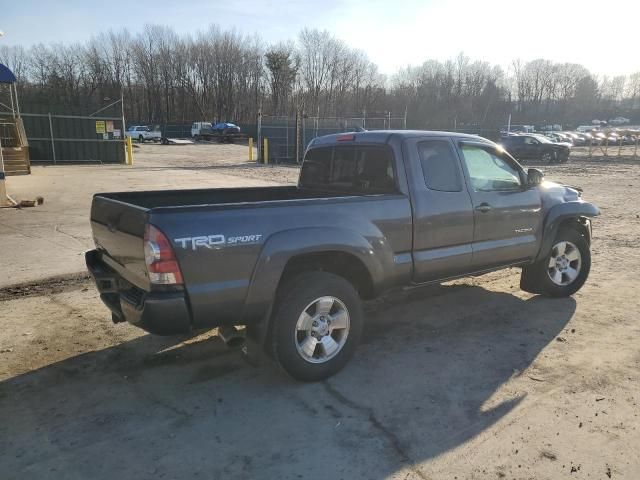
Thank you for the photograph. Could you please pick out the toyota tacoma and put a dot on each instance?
(372, 211)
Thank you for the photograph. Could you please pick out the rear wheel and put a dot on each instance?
(565, 270)
(317, 325)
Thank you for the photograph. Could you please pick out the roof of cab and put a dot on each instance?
(383, 136)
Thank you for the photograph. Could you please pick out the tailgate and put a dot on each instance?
(118, 232)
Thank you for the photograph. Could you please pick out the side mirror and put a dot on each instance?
(534, 177)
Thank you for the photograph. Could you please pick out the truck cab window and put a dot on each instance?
(349, 169)
(439, 166)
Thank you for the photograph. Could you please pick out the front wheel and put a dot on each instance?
(564, 271)
(550, 157)
(317, 325)
(140, 139)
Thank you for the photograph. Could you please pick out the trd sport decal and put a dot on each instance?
(215, 241)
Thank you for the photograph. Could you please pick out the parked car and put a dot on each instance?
(562, 137)
(536, 147)
(226, 127)
(556, 137)
(575, 139)
(613, 138)
(619, 121)
(142, 133)
(517, 129)
(599, 137)
(591, 139)
(372, 211)
(585, 137)
(222, 132)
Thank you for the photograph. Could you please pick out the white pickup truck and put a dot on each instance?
(143, 133)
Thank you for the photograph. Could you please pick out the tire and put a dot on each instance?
(550, 157)
(302, 325)
(549, 277)
(141, 139)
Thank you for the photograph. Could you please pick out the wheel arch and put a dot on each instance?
(344, 264)
(339, 250)
(574, 215)
(334, 249)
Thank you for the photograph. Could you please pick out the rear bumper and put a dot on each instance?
(162, 313)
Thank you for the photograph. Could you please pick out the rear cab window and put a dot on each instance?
(439, 166)
(350, 169)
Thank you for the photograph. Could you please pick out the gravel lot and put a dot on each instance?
(62, 223)
(473, 379)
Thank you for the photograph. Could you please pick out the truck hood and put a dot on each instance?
(554, 193)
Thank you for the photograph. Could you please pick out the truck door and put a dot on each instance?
(442, 209)
(507, 212)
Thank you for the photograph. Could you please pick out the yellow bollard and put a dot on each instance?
(265, 154)
(250, 149)
(129, 151)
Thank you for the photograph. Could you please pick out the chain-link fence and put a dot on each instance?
(57, 132)
(288, 137)
(74, 138)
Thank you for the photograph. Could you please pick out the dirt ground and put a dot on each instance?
(62, 222)
(473, 379)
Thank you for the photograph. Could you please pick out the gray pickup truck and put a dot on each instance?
(372, 211)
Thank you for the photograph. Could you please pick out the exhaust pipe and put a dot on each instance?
(231, 336)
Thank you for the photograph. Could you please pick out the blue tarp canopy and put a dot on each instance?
(6, 75)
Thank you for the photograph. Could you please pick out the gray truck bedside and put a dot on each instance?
(372, 211)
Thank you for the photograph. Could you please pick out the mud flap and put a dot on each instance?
(254, 344)
(528, 279)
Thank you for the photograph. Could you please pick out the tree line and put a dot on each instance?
(223, 75)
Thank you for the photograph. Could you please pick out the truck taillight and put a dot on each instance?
(349, 137)
(162, 264)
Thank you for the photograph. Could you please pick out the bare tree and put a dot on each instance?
(282, 65)
(223, 75)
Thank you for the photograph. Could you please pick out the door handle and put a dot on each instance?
(484, 207)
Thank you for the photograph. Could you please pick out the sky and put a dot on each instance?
(602, 36)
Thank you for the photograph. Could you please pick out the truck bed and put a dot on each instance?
(119, 220)
(212, 196)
